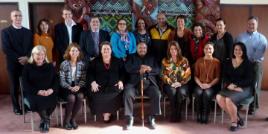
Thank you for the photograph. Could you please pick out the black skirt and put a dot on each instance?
(40, 103)
(106, 100)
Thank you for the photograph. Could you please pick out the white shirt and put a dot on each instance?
(69, 29)
(73, 73)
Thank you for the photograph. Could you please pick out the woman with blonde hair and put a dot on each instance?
(40, 86)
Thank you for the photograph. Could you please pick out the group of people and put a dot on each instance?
(107, 70)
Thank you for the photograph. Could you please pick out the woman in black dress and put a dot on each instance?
(72, 81)
(105, 75)
(40, 86)
(237, 81)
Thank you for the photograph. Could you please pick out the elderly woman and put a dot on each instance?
(105, 77)
(223, 41)
(40, 86)
(197, 42)
(238, 76)
(72, 81)
(42, 37)
(141, 33)
(206, 76)
(175, 74)
(123, 42)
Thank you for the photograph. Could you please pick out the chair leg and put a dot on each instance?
(61, 116)
(95, 118)
(193, 99)
(164, 107)
(246, 120)
(117, 115)
(57, 114)
(85, 111)
(186, 109)
(215, 111)
(32, 121)
(222, 114)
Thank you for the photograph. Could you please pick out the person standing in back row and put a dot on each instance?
(17, 44)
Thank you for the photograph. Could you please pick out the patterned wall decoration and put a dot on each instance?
(203, 11)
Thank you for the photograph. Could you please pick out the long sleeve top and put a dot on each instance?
(46, 41)
(121, 49)
(66, 74)
(256, 44)
(175, 72)
(240, 76)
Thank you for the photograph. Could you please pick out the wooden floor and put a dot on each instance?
(13, 124)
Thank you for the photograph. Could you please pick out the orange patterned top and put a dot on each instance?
(46, 41)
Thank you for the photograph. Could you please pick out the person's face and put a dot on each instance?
(67, 15)
(122, 25)
(252, 25)
(180, 23)
(198, 31)
(39, 58)
(161, 19)
(16, 18)
(95, 23)
(106, 50)
(173, 51)
(141, 24)
(142, 49)
(238, 51)
(44, 27)
(208, 50)
(220, 26)
(74, 53)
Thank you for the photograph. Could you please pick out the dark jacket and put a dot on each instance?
(62, 37)
(16, 43)
(133, 64)
(87, 43)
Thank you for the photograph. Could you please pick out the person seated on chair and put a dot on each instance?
(237, 84)
(73, 82)
(142, 66)
(175, 74)
(105, 79)
(40, 86)
(206, 76)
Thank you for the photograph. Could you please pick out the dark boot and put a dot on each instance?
(130, 121)
(151, 121)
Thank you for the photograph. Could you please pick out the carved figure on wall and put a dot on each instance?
(207, 11)
(81, 11)
(147, 9)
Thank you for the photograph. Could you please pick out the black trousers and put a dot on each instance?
(176, 96)
(13, 75)
(152, 91)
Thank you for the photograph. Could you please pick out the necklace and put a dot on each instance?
(207, 68)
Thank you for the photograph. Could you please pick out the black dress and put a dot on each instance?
(37, 78)
(108, 99)
(240, 76)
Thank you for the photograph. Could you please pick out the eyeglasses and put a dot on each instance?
(122, 24)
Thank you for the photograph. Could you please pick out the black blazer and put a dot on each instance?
(87, 43)
(62, 37)
(16, 43)
(132, 67)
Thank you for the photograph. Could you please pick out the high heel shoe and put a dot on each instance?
(234, 127)
(240, 121)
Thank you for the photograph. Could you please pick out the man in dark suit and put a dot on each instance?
(66, 32)
(17, 43)
(142, 66)
(91, 39)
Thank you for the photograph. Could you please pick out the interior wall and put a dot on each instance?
(5, 21)
(236, 20)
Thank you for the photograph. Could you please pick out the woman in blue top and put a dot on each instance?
(123, 42)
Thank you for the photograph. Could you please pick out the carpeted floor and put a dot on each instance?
(13, 124)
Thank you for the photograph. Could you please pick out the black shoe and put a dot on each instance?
(240, 121)
(41, 127)
(73, 124)
(68, 126)
(17, 111)
(234, 127)
(151, 121)
(266, 119)
(251, 112)
(204, 118)
(199, 118)
(130, 121)
(46, 127)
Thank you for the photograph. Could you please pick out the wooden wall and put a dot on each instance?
(236, 21)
